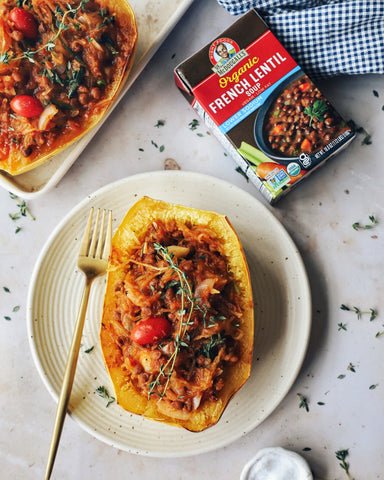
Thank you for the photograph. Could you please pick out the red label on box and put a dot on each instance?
(241, 78)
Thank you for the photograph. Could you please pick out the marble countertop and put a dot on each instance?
(342, 376)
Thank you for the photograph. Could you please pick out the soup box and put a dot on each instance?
(263, 108)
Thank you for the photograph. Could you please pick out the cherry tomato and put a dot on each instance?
(150, 330)
(26, 106)
(24, 22)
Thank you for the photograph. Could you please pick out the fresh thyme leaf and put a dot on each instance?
(74, 80)
(212, 347)
(6, 317)
(106, 21)
(5, 58)
(239, 170)
(16, 308)
(341, 456)
(194, 124)
(351, 367)
(374, 222)
(342, 326)
(103, 392)
(367, 137)
(303, 402)
(373, 314)
(317, 110)
(160, 123)
(6, 289)
(375, 93)
(372, 387)
(340, 377)
(89, 350)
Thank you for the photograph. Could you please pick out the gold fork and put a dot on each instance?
(92, 261)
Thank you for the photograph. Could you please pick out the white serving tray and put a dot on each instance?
(154, 20)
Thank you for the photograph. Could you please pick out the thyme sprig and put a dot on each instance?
(185, 312)
(341, 455)
(22, 212)
(103, 392)
(360, 313)
(61, 25)
(374, 222)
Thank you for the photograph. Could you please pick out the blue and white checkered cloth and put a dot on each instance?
(325, 37)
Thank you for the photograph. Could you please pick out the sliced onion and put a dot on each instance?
(48, 113)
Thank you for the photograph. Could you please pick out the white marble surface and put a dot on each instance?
(344, 266)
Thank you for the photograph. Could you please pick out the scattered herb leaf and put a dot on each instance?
(194, 124)
(341, 455)
(6, 289)
(351, 367)
(340, 377)
(372, 387)
(367, 138)
(160, 123)
(239, 170)
(357, 226)
(103, 392)
(303, 402)
(89, 350)
(342, 326)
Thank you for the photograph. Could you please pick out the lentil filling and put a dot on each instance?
(179, 275)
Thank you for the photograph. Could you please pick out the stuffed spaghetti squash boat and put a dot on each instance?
(62, 64)
(177, 324)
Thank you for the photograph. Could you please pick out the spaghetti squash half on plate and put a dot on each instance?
(177, 325)
(62, 64)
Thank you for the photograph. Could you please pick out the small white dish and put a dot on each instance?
(276, 463)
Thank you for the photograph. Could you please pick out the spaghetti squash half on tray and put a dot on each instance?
(177, 324)
(62, 63)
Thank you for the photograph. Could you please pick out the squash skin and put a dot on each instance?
(16, 164)
(125, 240)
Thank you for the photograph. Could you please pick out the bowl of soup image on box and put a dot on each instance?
(263, 108)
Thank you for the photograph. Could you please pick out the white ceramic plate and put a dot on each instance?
(155, 20)
(282, 315)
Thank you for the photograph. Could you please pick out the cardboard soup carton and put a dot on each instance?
(262, 107)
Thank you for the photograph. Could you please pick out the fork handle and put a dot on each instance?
(69, 375)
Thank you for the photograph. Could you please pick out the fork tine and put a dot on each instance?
(108, 238)
(85, 240)
(101, 234)
(92, 247)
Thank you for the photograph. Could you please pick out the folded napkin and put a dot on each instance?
(326, 37)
